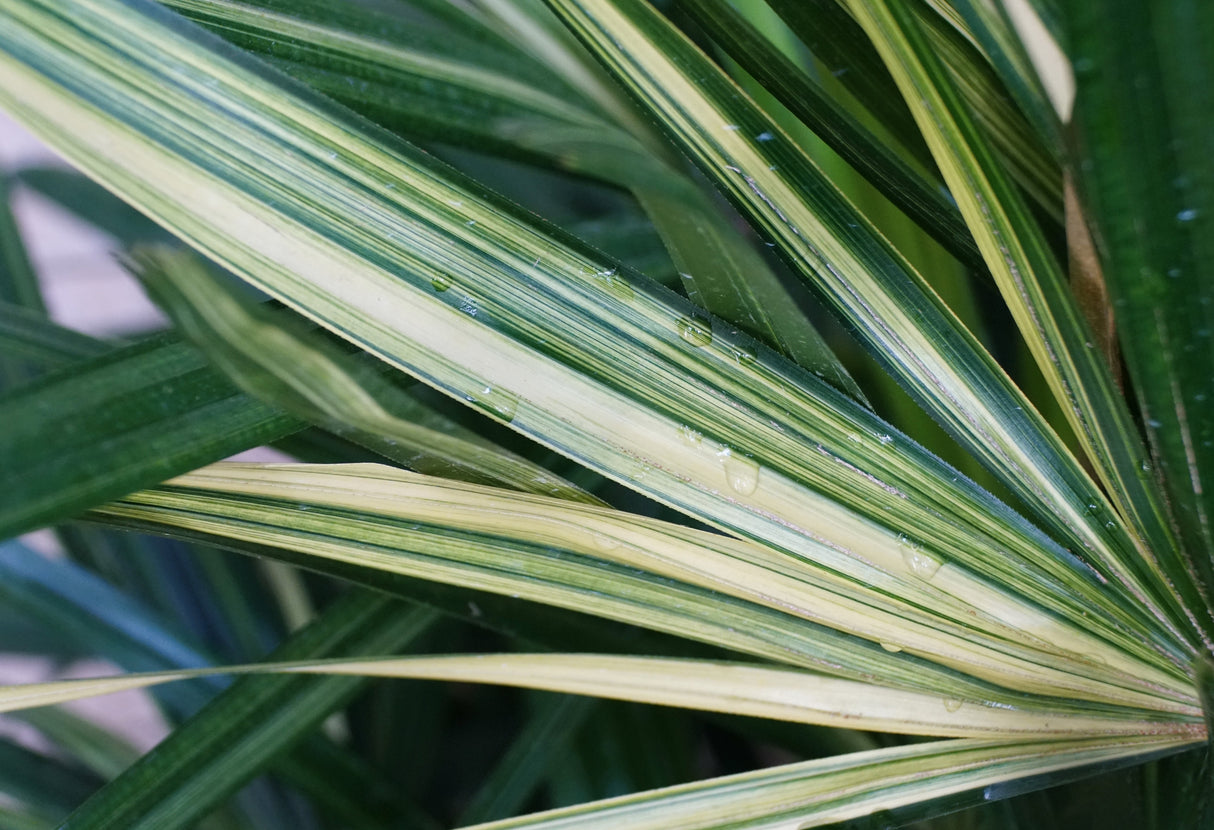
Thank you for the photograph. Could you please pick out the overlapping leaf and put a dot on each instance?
(1038, 295)
(516, 320)
(977, 610)
(1146, 175)
(563, 553)
(432, 86)
(832, 790)
(869, 284)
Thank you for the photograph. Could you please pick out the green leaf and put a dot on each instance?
(88, 615)
(496, 110)
(113, 424)
(93, 618)
(18, 282)
(559, 553)
(28, 334)
(537, 748)
(1038, 294)
(277, 358)
(834, 38)
(92, 203)
(41, 782)
(527, 311)
(915, 195)
(994, 30)
(723, 274)
(1142, 130)
(831, 790)
(869, 285)
(98, 750)
(207, 758)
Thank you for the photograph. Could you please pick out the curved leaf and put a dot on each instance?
(1038, 295)
(558, 552)
(832, 790)
(517, 332)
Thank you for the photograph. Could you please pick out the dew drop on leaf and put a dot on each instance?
(690, 437)
(918, 562)
(741, 473)
(613, 283)
(497, 402)
(697, 332)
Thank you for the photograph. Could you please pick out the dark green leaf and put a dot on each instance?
(212, 754)
(1143, 130)
(117, 423)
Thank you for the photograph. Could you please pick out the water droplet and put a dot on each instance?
(742, 473)
(695, 330)
(885, 440)
(891, 648)
(1154, 424)
(731, 127)
(497, 402)
(455, 202)
(440, 283)
(918, 562)
(745, 358)
(764, 136)
(640, 472)
(469, 306)
(474, 609)
(690, 437)
(1186, 215)
(952, 704)
(614, 283)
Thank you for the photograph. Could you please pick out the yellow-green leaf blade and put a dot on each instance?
(1037, 292)
(828, 791)
(259, 181)
(736, 688)
(870, 285)
(557, 552)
